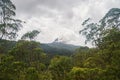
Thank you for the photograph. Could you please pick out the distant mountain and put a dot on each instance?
(56, 47)
(59, 47)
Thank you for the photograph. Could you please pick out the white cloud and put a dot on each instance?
(61, 18)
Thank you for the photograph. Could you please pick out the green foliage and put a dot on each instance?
(107, 39)
(59, 67)
(39, 66)
(6, 45)
(86, 74)
(111, 19)
(82, 54)
(10, 69)
(28, 51)
(8, 25)
(93, 62)
(30, 35)
(31, 74)
(45, 76)
(95, 32)
(111, 39)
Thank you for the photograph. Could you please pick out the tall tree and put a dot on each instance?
(96, 31)
(30, 35)
(106, 36)
(59, 67)
(28, 52)
(8, 25)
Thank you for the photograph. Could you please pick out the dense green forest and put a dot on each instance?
(26, 60)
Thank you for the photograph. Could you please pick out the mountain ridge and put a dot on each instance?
(59, 48)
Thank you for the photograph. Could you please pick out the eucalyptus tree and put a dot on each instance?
(9, 26)
(96, 31)
(27, 51)
(30, 35)
(106, 36)
(60, 67)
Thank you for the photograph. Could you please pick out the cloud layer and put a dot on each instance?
(61, 18)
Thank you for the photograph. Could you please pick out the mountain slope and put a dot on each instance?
(59, 48)
(55, 47)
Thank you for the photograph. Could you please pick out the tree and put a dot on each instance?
(87, 74)
(94, 62)
(111, 19)
(8, 25)
(106, 36)
(111, 39)
(31, 74)
(30, 35)
(60, 67)
(11, 69)
(82, 54)
(28, 52)
(96, 31)
(45, 75)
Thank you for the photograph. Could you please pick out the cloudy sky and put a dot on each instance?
(60, 18)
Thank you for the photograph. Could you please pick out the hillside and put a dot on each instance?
(59, 48)
(50, 48)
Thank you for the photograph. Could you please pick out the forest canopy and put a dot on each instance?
(26, 60)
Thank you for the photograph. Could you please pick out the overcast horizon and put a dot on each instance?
(60, 18)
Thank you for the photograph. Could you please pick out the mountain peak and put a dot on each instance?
(59, 40)
(56, 40)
